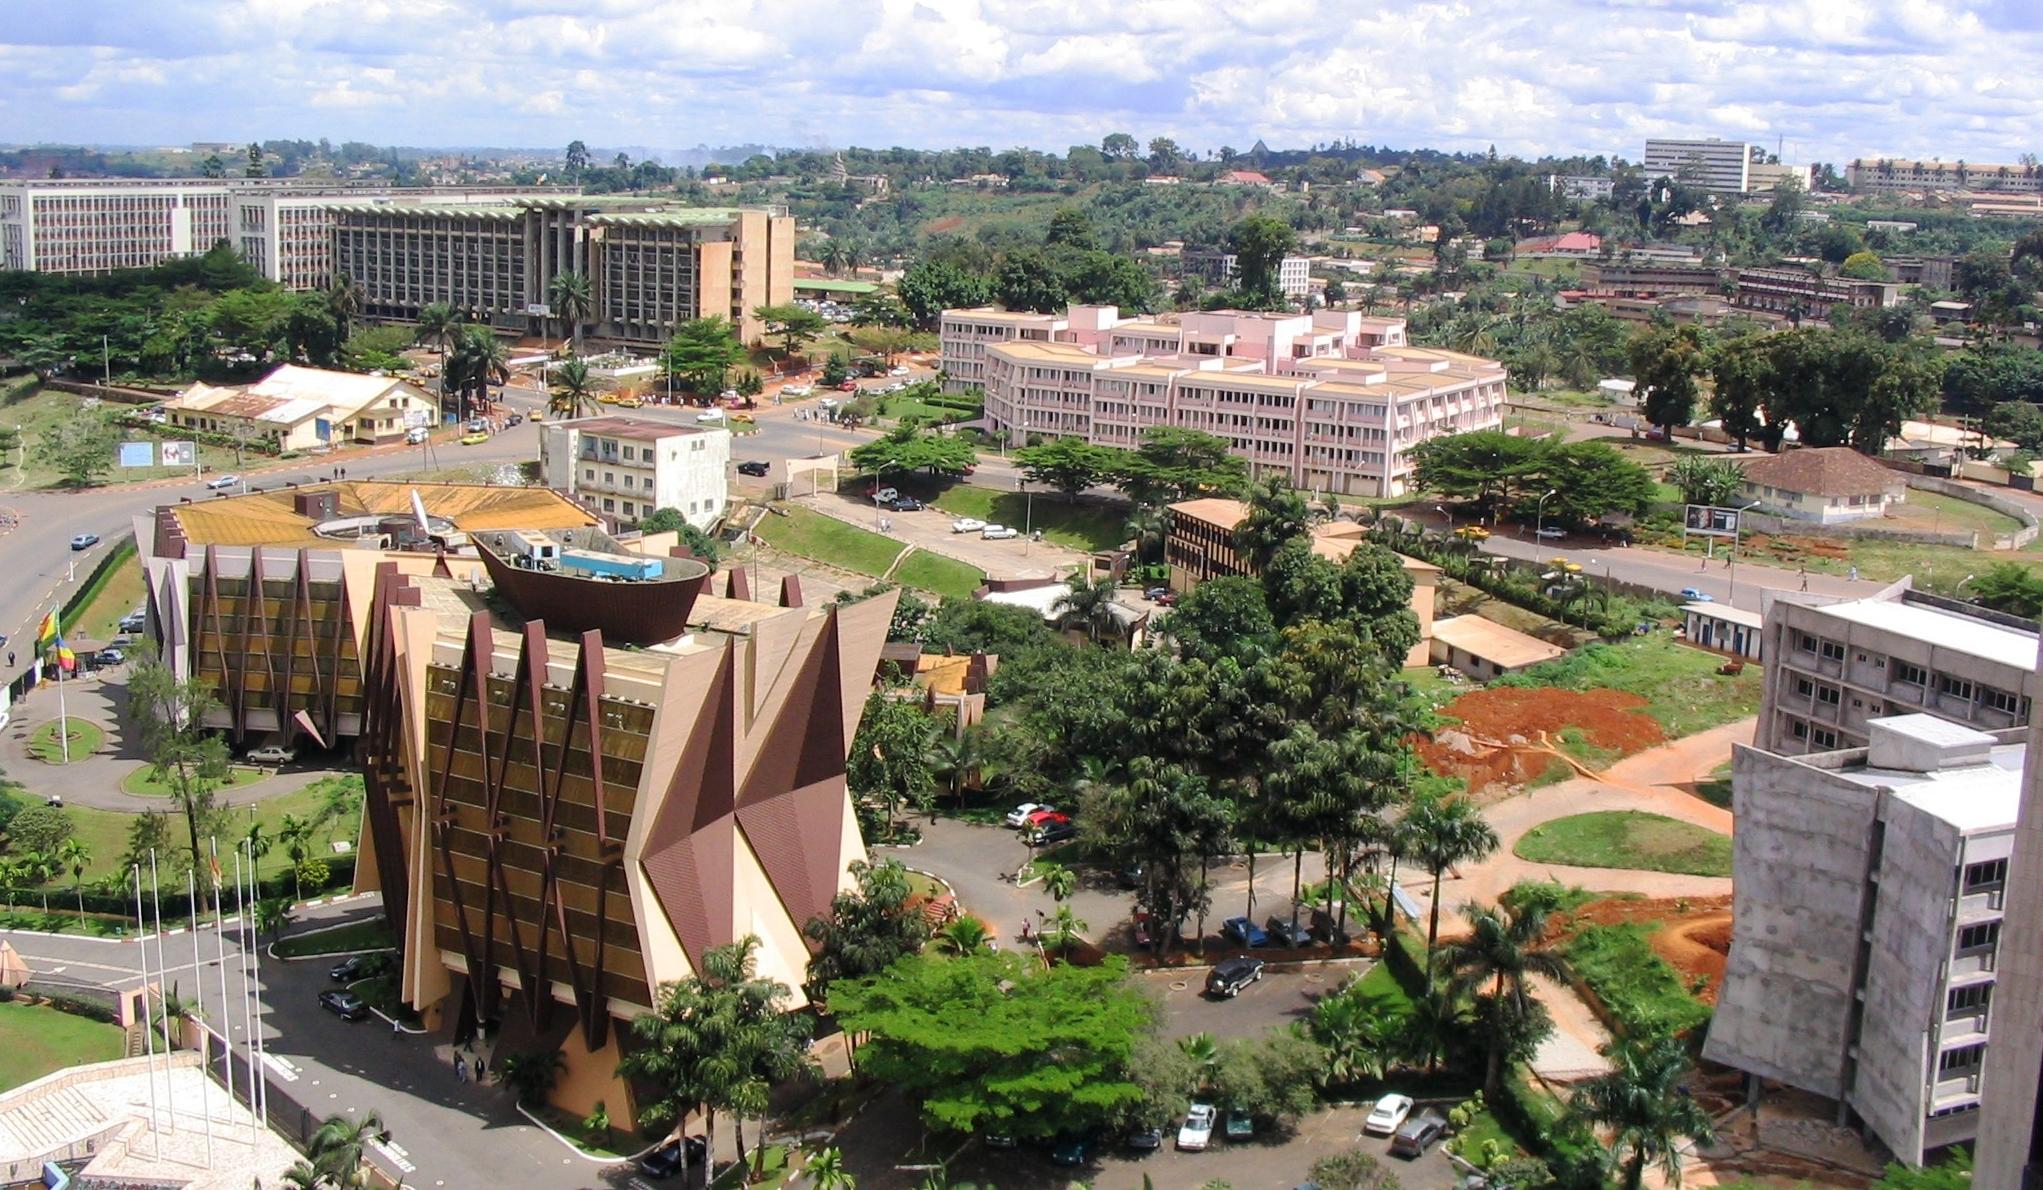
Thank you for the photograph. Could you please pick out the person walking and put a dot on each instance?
(478, 1071)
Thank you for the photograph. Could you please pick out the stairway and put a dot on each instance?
(48, 1121)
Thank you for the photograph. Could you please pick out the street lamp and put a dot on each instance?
(1737, 535)
(1021, 482)
(1539, 523)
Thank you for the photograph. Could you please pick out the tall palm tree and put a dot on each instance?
(574, 393)
(826, 1171)
(1277, 515)
(1146, 528)
(344, 302)
(957, 758)
(834, 256)
(1504, 949)
(573, 301)
(1645, 1108)
(1358, 1040)
(337, 1148)
(258, 846)
(1066, 927)
(440, 325)
(1440, 833)
(479, 360)
(1059, 881)
(1089, 601)
(74, 857)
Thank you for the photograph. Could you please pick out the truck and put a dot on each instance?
(615, 566)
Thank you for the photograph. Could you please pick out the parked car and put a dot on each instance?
(1069, 1150)
(1697, 595)
(999, 533)
(134, 621)
(998, 1140)
(1197, 1131)
(1045, 816)
(222, 482)
(84, 541)
(1240, 1125)
(849, 386)
(123, 641)
(474, 439)
(905, 504)
(271, 754)
(1284, 933)
(1144, 1140)
(1019, 816)
(884, 495)
(1550, 533)
(967, 524)
(416, 435)
(1418, 1135)
(673, 1157)
(1388, 1115)
(1228, 978)
(343, 1004)
(898, 370)
(1161, 596)
(350, 969)
(755, 467)
(477, 426)
(1244, 931)
(796, 390)
(1052, 832)
(710, 416)
(109, 656)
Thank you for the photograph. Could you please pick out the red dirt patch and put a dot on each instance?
(1503, 731)
(946, 224)
(1694, 933)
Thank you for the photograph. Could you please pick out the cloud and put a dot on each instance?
(1833, 78)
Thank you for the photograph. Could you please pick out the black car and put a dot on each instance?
(1145, 1140)
(1228, 978)
(1052, 832)
(345, 1005)
(906, 504)
(350, 969)
(1283, 933)
(753, 467)
(673, 1157)
(1418, 1135)
(516, 419)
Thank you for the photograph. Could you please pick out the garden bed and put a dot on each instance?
(1628, 839)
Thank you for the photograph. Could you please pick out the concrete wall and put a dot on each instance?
(1799, 861)
(2001, 504)
(2008, 1108)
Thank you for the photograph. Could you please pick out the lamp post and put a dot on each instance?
(1737, 535)
(1539, 523)
(1028, 511)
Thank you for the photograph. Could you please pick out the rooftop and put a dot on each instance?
(1969, 795)
(835, 285)
(996, 314)
(271, 518)
(1726, 613)
(636, 429)
(1822, 471)
(1493, 642)
(1970, 635)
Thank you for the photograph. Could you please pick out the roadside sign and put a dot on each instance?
(1709, 520)
(179, 454)
(138, 454)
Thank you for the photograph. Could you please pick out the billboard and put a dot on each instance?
(180, 454)
(1709, 520)
(138, 454)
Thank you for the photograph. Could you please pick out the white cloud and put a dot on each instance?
(1835, 78)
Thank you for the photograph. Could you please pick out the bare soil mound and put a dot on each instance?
(1503, 733)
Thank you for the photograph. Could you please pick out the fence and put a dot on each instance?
(1999, 504)
(111, 392)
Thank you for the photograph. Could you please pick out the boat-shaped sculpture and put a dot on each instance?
(578, 579)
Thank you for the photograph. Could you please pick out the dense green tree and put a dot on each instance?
(2012, 587)
(1486, 467)
(1984, 375)
(1070, 465)
(79, 449)
(1590, 479)
(1178, 464)
(1952, 1173)
(1028, 281)
(867, 929)
(972, 626)
(1109, 279)
(1226, 616)
(1277, 516)
(2017, 421)
(929, 288)
(994, 1042)
(1666, 363)
(1743, 372)
(891, 764)
(796, 325)
(1271, 1077)
(1260, 243)
(1864, 266)
(477, 362)
(702, 353)
(1706, 479)
(1071, 227)
(252, 320)
(908, 448)
(1644, 1109)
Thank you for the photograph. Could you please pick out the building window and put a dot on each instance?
(1832, 651)
(1983, 936)
(1825, 740)
(1957, 1063)
(1969, 997)
(589, 474)
(1805, 687)
(1805, 642)
(1986, 875)
(1914, 675)
(1952, 687)
(1798, 729)
(629, 510)
(1827, 695)
(2000, 700)
(609, 505)
(628, 454)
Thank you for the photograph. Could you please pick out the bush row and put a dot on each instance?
(1569, 1150)
(116, 903)
(1618, 620)
(157, 429)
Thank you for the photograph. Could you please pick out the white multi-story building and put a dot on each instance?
(626, 467)
(1581, 187)
(1334, 399)
(1869, 891)
(1294, 273)
(1887, 173)
(1719, 166)
(281, 226)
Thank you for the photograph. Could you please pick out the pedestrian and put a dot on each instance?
(460, 1069)
(1852, 574)
(1805, 576)
(478, 1071)
(10, 658)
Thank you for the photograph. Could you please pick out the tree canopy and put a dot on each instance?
(1502, 473)
(909, 448)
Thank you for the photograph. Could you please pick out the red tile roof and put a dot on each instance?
(1823, 471)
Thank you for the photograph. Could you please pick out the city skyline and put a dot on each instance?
(1830, 80)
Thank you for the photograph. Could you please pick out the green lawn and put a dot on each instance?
(1938, 513)
(827, 539)
(121, 593)
(1681, 685)
(36, 1040)
(361, 935)
(936, 573)
(1385, 997)
(84, 737)
(1717, 790)
(142, 784)
(40, 410)
(1628, 839)
(1087, 525)
(105, 832)
(1642, 990)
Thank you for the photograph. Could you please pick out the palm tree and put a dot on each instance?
(1645, 1108)
(478, 361)
(1204, 1053)
(834, 256)
(440, 325)
(1440, 833)
(962, 936)
(826, 1171)
(338, 1146)
(1146, 528)
(306, 1176)
(1277, 515)
(1504, 948)
(573, 302)
(1358, 1040)
(74, 857)
(574, 394)
(272, 914)
(40, 868)
(957, 758)
(1058, 880)
(531, 1074)
(258, 846)
(344, 302)
(1088, 600)
(171, 1007)
(1066, 927)
(295, 834)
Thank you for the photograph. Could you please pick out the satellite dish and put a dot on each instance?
(418, 508)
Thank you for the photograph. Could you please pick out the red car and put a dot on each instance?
(1045, 818)
(849, 386)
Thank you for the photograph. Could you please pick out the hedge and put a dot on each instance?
(100, 576)
(1569, 1150)
(135, 421)
(1504, 584)
(174, 903)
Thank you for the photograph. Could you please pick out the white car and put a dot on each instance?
(967, 524)
(1198, 1130)
(710, 415)
(1389, 1112)
(999, 533)
(1020, 814)
(271, 755)
(797, 390)
(898, 370)
(1551, 534)
(887, 495)
(219, 482)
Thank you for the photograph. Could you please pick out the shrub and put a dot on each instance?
(313, 874)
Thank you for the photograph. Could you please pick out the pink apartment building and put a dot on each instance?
(1333, 399)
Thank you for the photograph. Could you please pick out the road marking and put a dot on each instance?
(281, 1068)
(394, 1154)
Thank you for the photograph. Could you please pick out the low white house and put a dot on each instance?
(1825, 484)
(626, 467)
(306, 408)
(1723, 628)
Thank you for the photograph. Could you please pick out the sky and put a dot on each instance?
(1834, 79)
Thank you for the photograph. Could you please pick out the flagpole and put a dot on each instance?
(162, 973)
(220, 950)
(148, 1026)
(255, 951)
(63, 719)
(191, 892)
(247, 1013)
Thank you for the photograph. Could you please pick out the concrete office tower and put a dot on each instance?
(1869, 887)
(1719, 166)
(2010, 1148)
(652, 264)
(1832, 667)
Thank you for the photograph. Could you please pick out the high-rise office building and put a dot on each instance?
(2009, 1151)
